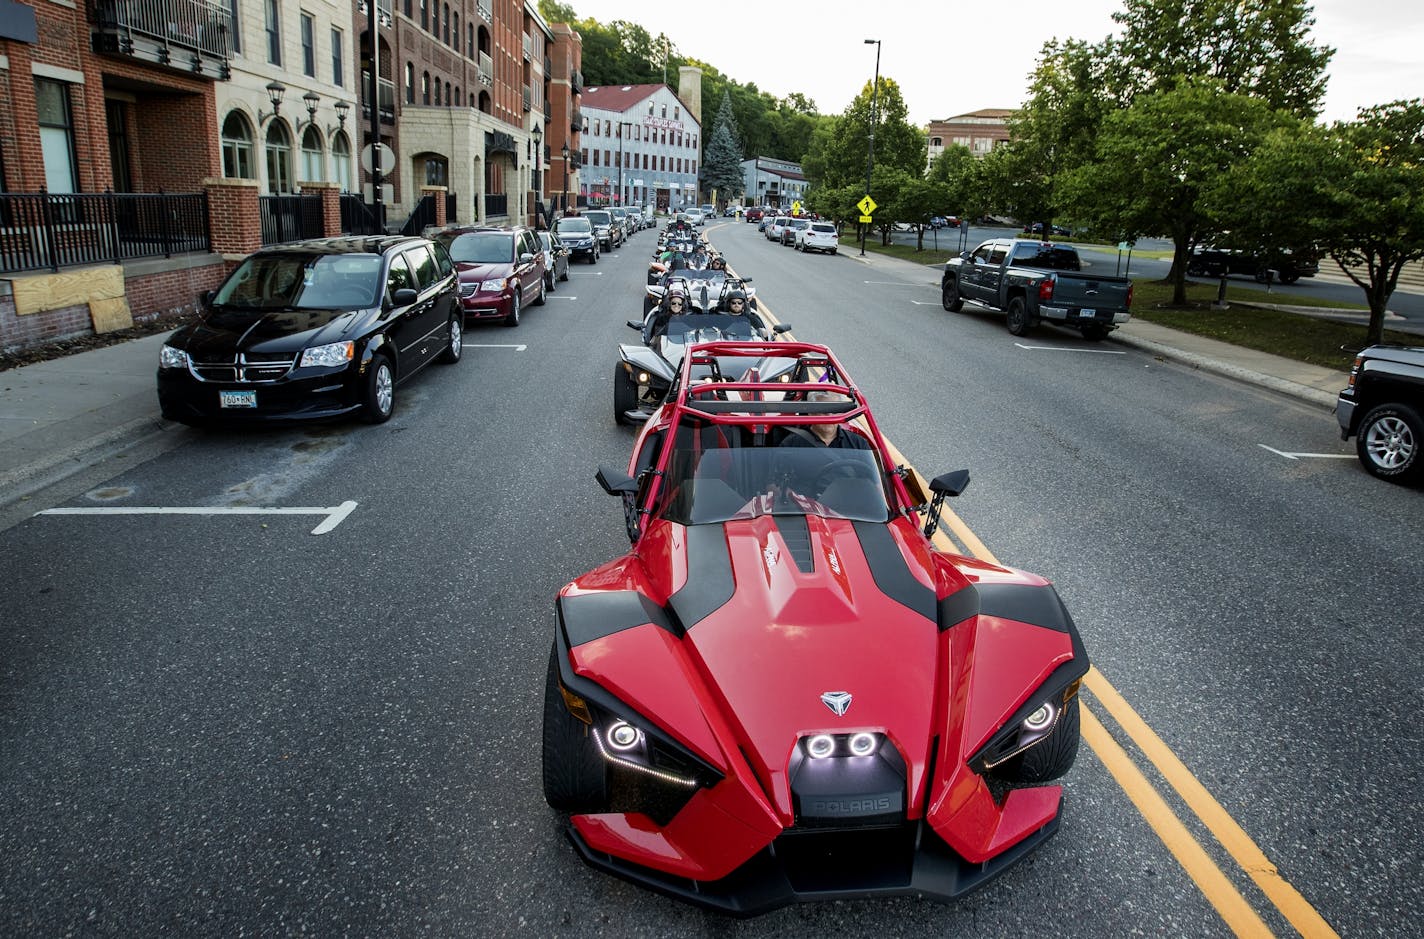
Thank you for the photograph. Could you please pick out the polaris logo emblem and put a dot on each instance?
(834, 562)
(837, 701)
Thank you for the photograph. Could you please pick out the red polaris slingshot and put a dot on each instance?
(784, 692)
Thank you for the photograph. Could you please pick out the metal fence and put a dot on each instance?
(44, 230)
(289, 218)
(423, 216)
(496, 203)
(358, 218)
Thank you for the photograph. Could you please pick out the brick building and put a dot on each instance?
(980, 131)
(642, 143)
(563, 137)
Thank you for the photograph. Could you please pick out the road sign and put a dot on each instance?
(867, 206)
(796, 208)
(1125, 245)
(388, 159)
(866, 219)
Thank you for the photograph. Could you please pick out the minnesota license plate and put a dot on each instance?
(1088, 314)
(237, 399)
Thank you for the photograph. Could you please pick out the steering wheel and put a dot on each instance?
(842, 469)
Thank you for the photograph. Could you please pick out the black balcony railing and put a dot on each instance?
(576, 121)
(496, 203)
(358, 218)
(289, 218)
(576, 82)
(41, 230)
(193, 35)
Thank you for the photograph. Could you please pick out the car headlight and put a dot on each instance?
(331, 354)
(493, 286)
(169, 357)
(1032, 728)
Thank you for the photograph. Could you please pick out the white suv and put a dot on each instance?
(694, 216)
(818, 236)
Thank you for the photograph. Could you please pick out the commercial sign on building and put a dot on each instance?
(663, 123)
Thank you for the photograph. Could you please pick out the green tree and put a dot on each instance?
(1355, 191)
(722, 166)
(957, 170)
(1155, 158)
(841, 153)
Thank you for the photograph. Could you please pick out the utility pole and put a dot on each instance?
(874, 117)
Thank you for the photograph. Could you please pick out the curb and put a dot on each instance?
(1217, 367)
(24, 480)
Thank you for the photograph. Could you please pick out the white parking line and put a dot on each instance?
(895, 283)
(1308, 456)
(335, 515)
(560, 297)
(491, 345)
(1068, 349)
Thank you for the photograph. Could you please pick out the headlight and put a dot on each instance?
(1034, 728)
(169, 357)
(331, 354)
(493, 286)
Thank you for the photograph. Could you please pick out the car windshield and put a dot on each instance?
(1045, 257)
(573, 226)
(599, 218)
(303, 282)
(481, 247)
(709, 482)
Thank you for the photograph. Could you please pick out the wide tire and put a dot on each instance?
(575, 776)
(625, 394)
(455, 340)
(550, 282)
(1019, 322)
(378, 391)
(950, 298)
(1389, 441)
(1050, 758)
(539, 301)
(513, 318)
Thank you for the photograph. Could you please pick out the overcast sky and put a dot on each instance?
(951, 58)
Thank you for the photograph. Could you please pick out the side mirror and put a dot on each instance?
(206, 298)
(616, 482)
(781, 328)
(949, 484)
(966, 256)
(526, 258)
(405, 296)
(633, 325)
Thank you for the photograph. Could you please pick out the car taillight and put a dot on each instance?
(1129, 296)
(1045, 289)
(1355, 370)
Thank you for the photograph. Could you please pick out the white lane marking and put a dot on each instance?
(1068, 349)
(560, 297)
(334, 515)
(895, 283)
(490, 345)
(1308, 456)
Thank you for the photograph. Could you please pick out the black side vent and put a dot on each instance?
(797, 535)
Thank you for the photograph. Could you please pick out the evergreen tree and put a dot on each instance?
(722, 165)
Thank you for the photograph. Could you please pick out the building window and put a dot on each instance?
(437, 172)
(56, 135)
(677, 113)
(341, 160)
(424, 87)
(338, 63)
(237, 147)
(407, 9)
(274, 33)
(664, 110)
(470, 40)
(279, 158)
(311, 156)
(448, 102)
(454, 31)
(308, 45)
(236, 27)
(458, 99)
(424, 14)
(445, 28)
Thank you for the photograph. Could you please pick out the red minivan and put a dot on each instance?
(500, 270)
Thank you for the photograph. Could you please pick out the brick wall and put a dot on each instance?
(234, 220)
(19, 332)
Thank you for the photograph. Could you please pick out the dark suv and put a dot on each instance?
(1382, 407)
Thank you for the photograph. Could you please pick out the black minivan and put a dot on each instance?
(314, 329)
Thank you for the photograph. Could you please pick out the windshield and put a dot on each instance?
(483, 247)
(1045, 257)
(573, 226)
(303, 282)
(599, 218)
(708, 327)
(710, 482)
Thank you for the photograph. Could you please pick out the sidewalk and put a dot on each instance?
(60, 416)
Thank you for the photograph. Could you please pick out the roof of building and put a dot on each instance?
(624, 98)
(998, 114)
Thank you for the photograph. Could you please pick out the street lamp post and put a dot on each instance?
(622, 196)
(564, 195)
(874, 117)
(538, 167)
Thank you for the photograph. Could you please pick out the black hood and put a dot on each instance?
(226, 330)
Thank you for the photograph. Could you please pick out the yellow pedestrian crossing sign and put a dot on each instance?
(796, 208)
(867, 206)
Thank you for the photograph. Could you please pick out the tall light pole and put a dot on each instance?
(538, 168)
(874, 119)
(564, 198)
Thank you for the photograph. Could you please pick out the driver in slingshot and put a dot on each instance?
(827, 436)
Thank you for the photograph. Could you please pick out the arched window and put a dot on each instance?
(936, 142)
(459, 101)
(677, 113)
(237, 147)
(407, 7)
(454, 31)
(341, 160)
(279, 158)
(312, 169)
(470, 34)
(448, 102)
(486, 103)
(445, 29)
(437, 92)
(410, 83)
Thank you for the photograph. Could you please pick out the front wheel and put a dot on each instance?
(550, 282)
(1051, 757)
(513, 318)
(455, 345)
(625, 394)
(575, 775)
(950, 298)
(539, 301)
(1018, 319)
(1389, 441)
(378, 392)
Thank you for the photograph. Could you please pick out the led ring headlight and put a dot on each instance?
(1040, 719)
(623, 736)
(862, 744)
(821, 746)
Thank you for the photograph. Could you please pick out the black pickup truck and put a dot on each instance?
(1381, 408)
(1037, 280)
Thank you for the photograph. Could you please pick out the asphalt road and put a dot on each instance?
(224, 724)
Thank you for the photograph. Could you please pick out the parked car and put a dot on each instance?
(1382, 407)
(1034, 280)
(693, 216)
(944, 221)
(754, 214)
(775, 226)
(576, 232)
(792, 226)
(818, 236)
(609, 234)
(1286, 266)
(1055, 231)
(556, 259)
(709, 212)
(500, 269)
(314, 329)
